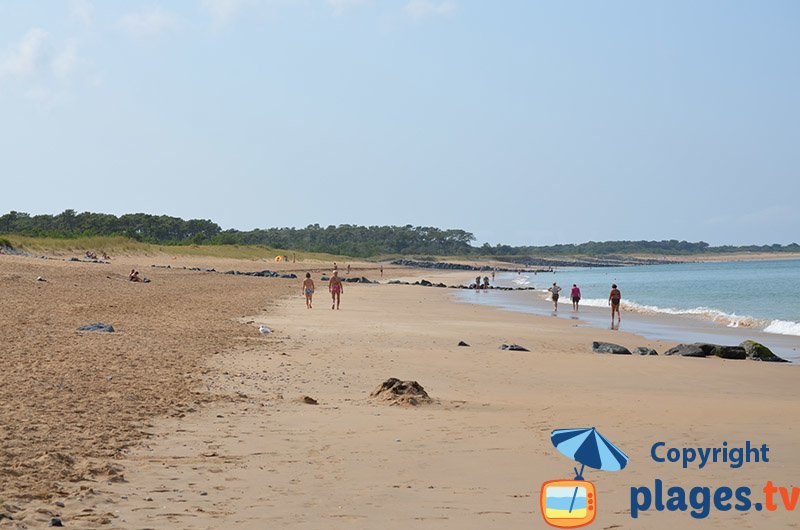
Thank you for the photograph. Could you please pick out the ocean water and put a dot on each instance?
(754, 297)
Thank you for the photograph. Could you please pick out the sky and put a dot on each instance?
(523, 122)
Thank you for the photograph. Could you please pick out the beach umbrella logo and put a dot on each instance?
(573, 503)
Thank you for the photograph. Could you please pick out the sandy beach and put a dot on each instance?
(220, 437)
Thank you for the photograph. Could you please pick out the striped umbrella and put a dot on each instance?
(590, 448)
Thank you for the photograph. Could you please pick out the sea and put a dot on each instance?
(718, 302)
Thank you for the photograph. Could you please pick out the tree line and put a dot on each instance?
(349, 240)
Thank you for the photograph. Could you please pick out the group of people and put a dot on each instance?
(335, 287)
(614, 298)
(483, 284)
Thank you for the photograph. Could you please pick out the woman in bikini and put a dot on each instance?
(308, 289)
(613, 300)
(336, 289)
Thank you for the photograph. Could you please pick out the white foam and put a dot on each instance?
(783, 327)
(730, 320)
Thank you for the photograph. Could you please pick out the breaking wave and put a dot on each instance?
(732, 320)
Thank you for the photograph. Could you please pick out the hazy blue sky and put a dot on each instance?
(521, 121)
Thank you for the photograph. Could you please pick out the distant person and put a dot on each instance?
(485, 282)
(335, 267)
(492, 275)
(134, 276)
(554, 290)
(336, 289)
(348, 268)
(576, 296)
(477, 283)
(381, 271)
(614, 298)
(308, 289)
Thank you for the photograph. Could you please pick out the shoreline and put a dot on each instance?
(658, 326)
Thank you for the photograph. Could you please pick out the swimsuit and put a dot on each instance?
(309, 291)
(336, 288)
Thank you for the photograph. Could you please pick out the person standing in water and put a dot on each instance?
(554, 290)
(614, 298)
(336, 289)
(477, 283)
(576, 296)
(308, 289)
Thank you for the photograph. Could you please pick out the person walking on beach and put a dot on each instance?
(308, 289)
(614, 298)
(478, 283)
(336, 289)
(485, 282)
(348, 268)
(554, 290)
(576, 296)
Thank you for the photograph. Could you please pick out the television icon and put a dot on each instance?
(568, 503)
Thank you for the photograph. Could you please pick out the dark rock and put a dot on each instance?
(425, 283)
(394, 282)
(688, 350)
(60, 504)
(641, 350)
(759, 352)
(203, 493)
(308, 400)
(5, 516)
(104, 328)
(56, 521)
(462, 343)
(609, 347)
(324, 279)
(403, 392)
(513, 347)
(289, 276)
(730, 352)
(440, 285)
(707, 348)
(74, 259)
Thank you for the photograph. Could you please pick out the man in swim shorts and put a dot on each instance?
(308, 289)
(336, 289)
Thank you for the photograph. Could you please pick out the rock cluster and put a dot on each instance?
(401, 392)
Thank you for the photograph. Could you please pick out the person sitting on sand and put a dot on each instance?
(576, 296)
(614, 298)
(308, 289)
(336, 289)
(554, 290)
(134, 276)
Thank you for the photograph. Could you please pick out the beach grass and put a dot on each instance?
(118, 245)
